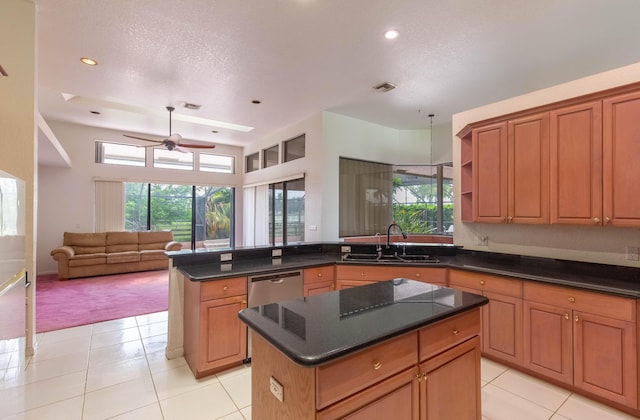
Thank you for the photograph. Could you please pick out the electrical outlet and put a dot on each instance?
(226, 257)
(633, 253)
(482, 240)
(276, 389)
(276, 252)
(345, 249)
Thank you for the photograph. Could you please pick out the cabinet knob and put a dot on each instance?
(572, 299)
(607, 220)
(509, 219)
(596, 220)
(456, 332)
(225, 288)
(377, 365)
(566, 316)
(481, 282)
(576, 318)
(418, 275)
(319, 274)
(419, 375)
(362, 274)
(244, 302)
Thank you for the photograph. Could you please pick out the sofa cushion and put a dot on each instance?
(85, 243)
(122, 241)
(154, 239)
(152, 254)
(123, 257)
(83, 260)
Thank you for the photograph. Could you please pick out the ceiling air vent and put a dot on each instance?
(191, 106)
(385, 87)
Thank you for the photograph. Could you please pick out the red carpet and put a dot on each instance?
(63, 304)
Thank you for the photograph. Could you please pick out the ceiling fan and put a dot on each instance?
(174, 141)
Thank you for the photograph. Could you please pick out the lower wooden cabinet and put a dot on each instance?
(358, 275)
(583, 339)
(214, 336)
(319, 280)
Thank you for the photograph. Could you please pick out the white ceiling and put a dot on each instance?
(300, 57)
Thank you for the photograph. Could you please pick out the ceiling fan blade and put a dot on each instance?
(198, 146)
(142, 138)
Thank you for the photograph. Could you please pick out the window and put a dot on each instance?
(167, 159)
(270, 157)
(252, 162)
(170, 207)
(373, 195)
(120, 154)
(217, 163)
(286, 212)
(294, 148)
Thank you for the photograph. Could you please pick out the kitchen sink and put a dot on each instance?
(426, 259)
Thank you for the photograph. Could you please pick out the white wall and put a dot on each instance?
(66, 195)
(581, 243)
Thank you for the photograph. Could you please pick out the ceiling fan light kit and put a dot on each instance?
(174, 141)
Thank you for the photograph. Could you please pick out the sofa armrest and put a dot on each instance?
(62, 253)
(173, 246)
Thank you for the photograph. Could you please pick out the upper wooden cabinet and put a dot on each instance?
(621, 171)
(566, 163)
(511, 171)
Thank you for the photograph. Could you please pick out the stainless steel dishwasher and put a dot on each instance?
(271, 288)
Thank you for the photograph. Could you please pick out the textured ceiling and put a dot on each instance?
(300, 57)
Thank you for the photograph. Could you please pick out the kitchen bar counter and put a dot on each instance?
(318, 329)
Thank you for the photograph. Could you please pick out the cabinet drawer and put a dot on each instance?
(581, 300)
(216, 289)
(319, 274)
(443, 335)
(351, 374)
(387, 272)
(486, 282)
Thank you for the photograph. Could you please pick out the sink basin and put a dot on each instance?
(427, 259)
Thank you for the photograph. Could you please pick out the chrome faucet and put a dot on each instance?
(379, 248)
(404, 235)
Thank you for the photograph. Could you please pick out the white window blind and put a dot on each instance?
(109, 206)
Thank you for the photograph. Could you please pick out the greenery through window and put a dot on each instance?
(286, 212)
(373, 195)
(170, 207)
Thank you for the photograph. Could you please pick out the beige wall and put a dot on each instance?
(580, 243)
(17, 119)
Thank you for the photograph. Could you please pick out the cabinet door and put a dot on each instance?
(528, 168)
(548, 346)
(318, 288)
(502, 328)
(394, 398)
(621, 171)
(450, 388)
(605, 357)
(490, 173)
(347, 284)
(223, 336)
(576, 164)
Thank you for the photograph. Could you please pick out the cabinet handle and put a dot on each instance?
(566, 316)
(607, 220)
(572, 299)
(377, 365)
(481, 282)
(576, 318)
(225, 288)
(596, 220)
(419, 375)
(455, 332)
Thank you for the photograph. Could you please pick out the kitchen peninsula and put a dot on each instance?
(397, 348)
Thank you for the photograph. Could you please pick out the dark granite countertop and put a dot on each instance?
(610, 279)
(318, 329)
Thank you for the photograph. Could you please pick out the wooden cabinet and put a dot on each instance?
(502, 333)
(511, 171)
(358, 275)
(621, 148)
(214, 336)
(583, 339)
(405, 377)
(319, 280)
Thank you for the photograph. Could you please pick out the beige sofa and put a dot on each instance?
(93, 254)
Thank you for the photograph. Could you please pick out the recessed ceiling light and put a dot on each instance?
(255, 101)
(391, 34)
(89, 61)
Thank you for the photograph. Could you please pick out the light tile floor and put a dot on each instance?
(117, 370)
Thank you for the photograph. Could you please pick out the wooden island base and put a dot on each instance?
(431, 373)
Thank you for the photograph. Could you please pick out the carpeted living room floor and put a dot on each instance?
(81, 301)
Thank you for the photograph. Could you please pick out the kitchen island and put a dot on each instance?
(396, 349)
